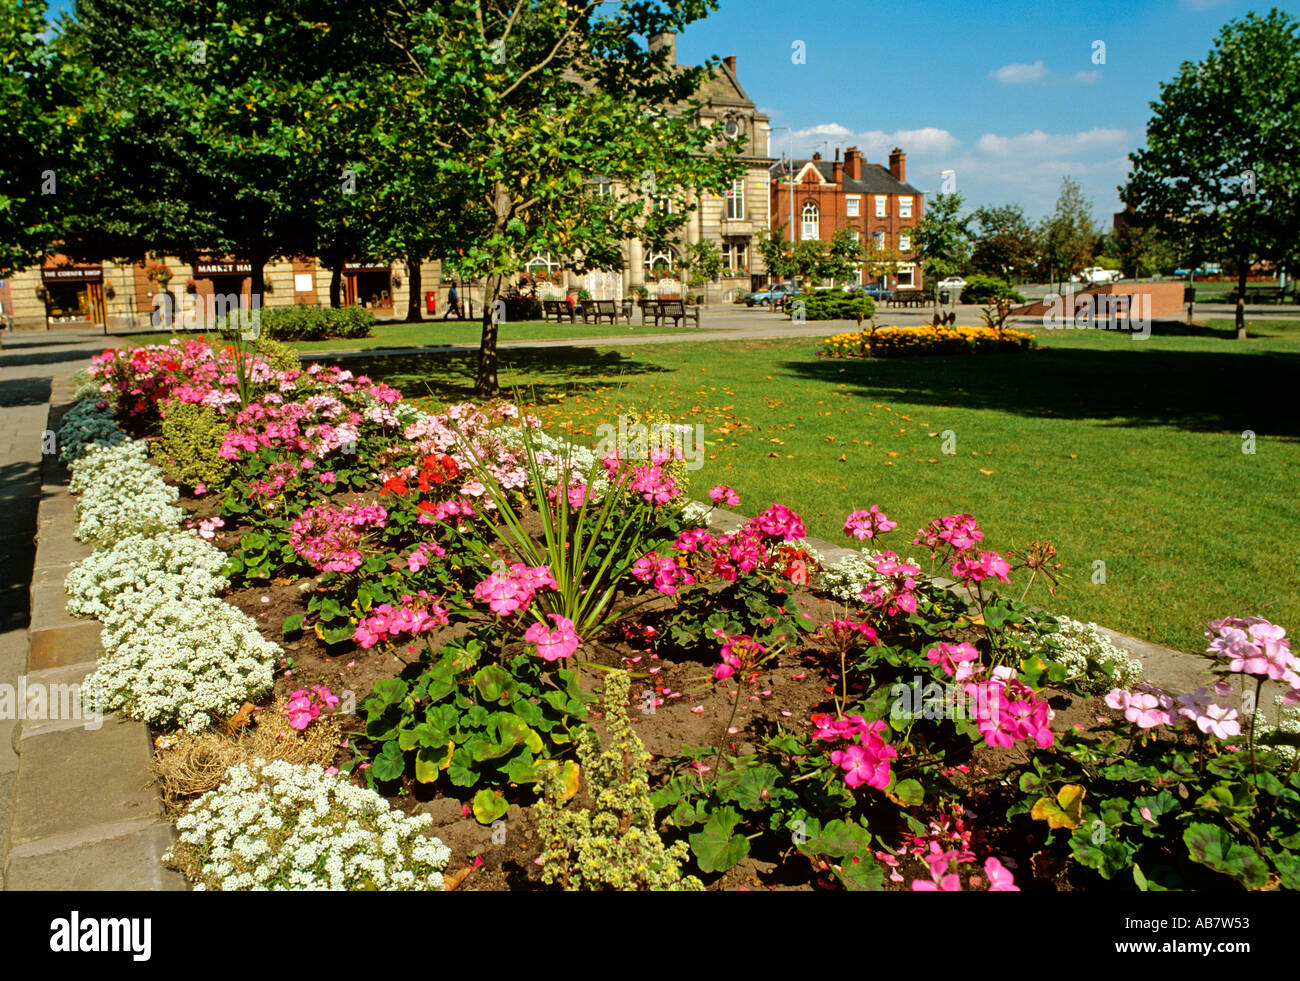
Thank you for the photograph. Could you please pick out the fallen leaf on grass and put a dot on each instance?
(987, 473)
(891, 454)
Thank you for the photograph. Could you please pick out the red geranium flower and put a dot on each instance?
(394, 485)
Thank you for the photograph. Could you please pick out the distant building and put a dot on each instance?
(874, 202)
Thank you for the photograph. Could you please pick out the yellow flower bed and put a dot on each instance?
(897, 341)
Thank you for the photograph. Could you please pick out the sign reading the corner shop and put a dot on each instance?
(72, 274)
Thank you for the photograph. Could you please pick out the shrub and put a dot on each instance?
(191, 439)
(278, 825)
(307, 323)
(86, 425)
(988, 289)
(613, 844)
(180, 561)
(833, 305)
(280, 355)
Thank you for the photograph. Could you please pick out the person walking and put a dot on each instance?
(453, 303)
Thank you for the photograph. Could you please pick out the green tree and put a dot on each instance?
(1066, 236)
(703, 261)
(1220, 166)
(942, 239)
(1005, 244)
(776, 253)
(521, 103)
(34, 91)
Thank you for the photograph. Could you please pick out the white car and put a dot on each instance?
(952, 283)
(1095, 276)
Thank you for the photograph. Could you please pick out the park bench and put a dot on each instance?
(559, 309)
(677, 311)
(1260, 294)
(599, 309)
(908, 298)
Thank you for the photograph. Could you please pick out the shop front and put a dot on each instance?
(369, 285)
(73, 294)
(214, 285)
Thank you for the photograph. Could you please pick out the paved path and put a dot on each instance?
(77, 806)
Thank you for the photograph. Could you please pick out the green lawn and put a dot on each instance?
(1123, 451)
(435, 333)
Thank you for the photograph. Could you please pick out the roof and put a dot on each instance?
(875, 178)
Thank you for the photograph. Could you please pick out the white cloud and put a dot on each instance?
(1087, 78)
(874, 143)
(1020, 74)
(1039, 143)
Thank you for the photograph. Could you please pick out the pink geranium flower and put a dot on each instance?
(554, 643)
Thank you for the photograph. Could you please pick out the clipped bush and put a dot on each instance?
(988, 289)
(190, 441)
(306, 323)
(279, 825)
(280, 355)
(86, 425)
(833, 305)
(614, 844)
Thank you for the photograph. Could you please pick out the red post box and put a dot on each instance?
(430, 301)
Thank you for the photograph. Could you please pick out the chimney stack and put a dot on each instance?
(837, 169)
(853, 163)
(817, 155)
(898, 165)
(665, 40)
(730, 62)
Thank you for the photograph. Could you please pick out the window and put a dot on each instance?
(736, 199)
(659, 264)
(810, 225)
(661, 205)
(735, 257)
(904, 207)
(879, 239)
(731, 128)
(880, 205)
(542, 268)
(857, 237)
(853, 208)
(904, 241)
(905, 276)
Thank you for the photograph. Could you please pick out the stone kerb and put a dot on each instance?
(86, 811)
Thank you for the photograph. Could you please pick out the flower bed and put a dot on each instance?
(886, 342)
(466, 584)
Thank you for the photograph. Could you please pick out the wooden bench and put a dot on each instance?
(677, 311)
(559, 309)
(599, 309)
(908, 298)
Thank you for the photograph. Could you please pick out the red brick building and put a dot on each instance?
(874, 201)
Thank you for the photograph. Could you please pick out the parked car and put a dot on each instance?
(873, 290)
(1095, 276)
(952, 283)
(764, 297)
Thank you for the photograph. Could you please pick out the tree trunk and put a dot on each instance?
(336, 284)
(257, 277)
(1243, 267)
(414, 284)
(485, 384)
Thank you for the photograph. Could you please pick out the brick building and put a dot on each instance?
(874, 202)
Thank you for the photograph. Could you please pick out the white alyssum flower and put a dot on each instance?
(278, 825)
(1086, 652)
(85, 426)
(179, 662)
(122, 494)
(179, 561)
(847, 578)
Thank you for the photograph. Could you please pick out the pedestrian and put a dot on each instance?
(453, 303)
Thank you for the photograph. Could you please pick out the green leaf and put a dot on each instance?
(716, 849)
(489, 805)
(1214, 847)
(910, 792)
(390, 762)
(861, 873)
(493, 681)
(430, 761)
(292, 625)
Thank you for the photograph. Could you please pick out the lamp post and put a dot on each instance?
(790, 181)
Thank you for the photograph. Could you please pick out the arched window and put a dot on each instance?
(542, 268)
(809, 222)
(660, 263)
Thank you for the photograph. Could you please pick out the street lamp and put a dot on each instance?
(790, 182)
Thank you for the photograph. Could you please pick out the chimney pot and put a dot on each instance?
(817, 155)
(898, 164)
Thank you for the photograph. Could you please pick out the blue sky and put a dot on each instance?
(1006, 94)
